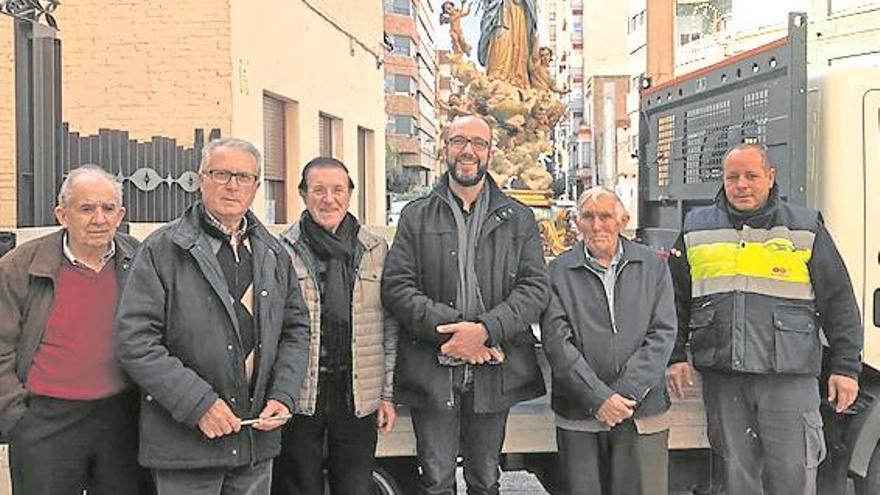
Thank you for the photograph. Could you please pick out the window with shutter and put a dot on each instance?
(274, 159)
(325, 134)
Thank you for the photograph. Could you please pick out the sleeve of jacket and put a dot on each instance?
(140, 333)
(836, 304)
(645, 368)
(292, 360)
(12, 300)
(530, 295)
(569, 366)
(680, 270)
(389, 343)
(414, 311)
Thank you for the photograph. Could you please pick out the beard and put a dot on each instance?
(468, 180)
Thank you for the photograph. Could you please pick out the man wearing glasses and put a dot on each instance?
(465, 278)
(214, 330)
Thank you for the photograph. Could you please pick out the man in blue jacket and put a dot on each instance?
(213, 328)
(608, 334)
(755, 280)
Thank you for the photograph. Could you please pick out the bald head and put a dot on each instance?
(472, 123)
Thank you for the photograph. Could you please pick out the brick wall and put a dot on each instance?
(152, 68)
(7, 124)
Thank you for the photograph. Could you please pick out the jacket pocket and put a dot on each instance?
(520, 367)
(814, 448)
(796, 339)
(702, 338)
(367, 294)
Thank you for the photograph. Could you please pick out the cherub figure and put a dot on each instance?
(455, 107)
(541, 78)
(451, 15)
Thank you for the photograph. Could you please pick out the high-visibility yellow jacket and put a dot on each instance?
(754, 290)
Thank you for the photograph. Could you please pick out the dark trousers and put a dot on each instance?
(61, 447)
(768, 430)
(245, 480)
(351, 450)
(441, 434)
(615, 462)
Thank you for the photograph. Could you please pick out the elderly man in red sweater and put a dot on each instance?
(66, 407)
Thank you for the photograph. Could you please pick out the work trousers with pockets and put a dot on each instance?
(768, 430)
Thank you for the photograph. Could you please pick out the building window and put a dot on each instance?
(838, 5)
(401, 125)
(274, 159)
(684, 39)
(403, 45)
(400, 7)
(326, 135)
(398, 84)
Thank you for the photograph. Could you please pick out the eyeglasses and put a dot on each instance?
(459, 142)
(223, 177)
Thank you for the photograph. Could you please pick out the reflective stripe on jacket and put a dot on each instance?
(754, 289)
(763, 269)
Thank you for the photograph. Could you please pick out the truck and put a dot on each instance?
(822, 133)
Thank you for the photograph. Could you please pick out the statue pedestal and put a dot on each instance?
(531, 198)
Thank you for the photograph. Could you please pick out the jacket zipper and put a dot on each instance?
(451, 402)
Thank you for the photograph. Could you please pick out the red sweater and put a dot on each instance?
(75, 358)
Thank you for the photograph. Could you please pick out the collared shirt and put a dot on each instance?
(608, 276)
(235, 236)
(68, 253)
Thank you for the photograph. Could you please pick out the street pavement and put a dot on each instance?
(525, 483)
(512, 483)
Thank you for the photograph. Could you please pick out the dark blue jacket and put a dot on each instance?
(177, 337)
(760, 323)
(590, 358)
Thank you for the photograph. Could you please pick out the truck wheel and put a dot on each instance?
(870, 484)
(384, 484)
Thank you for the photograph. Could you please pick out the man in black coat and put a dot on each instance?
(213, 328)
(465, 278)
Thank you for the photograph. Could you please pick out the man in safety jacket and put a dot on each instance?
(756, 279)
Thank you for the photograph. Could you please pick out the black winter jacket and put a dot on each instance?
(419, 286)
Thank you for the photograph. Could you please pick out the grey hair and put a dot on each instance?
(760, 148)
(229, 142)
(82, 172)
(594, 193)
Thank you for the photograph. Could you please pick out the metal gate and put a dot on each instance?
(159, 177)
(687, 124)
